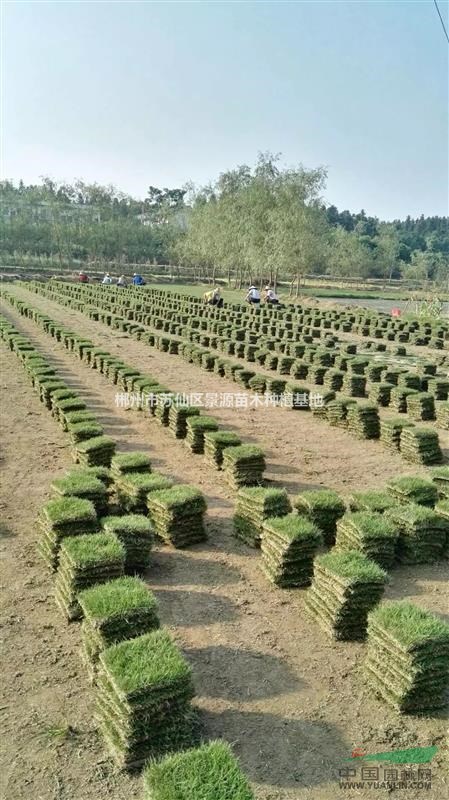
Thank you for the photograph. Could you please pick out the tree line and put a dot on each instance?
(254, 223)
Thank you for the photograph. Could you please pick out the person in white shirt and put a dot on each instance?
(253, 295)
(107, 280)
(270, 296)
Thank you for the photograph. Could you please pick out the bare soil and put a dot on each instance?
(292, 703)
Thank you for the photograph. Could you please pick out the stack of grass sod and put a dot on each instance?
(354, 385)
(136, 535)
(288, 546)
(130, 464)
(62, 409)
(134, 487)
(422, 533)
(399, 398)
(66, 516)
(324, 507)
(440, 477)
(337, 411)
(369, 533)
(178, 416)
(407, 661)
(255, 504)
(215, 443)
(345, 587)
(178, 515)
(98, 451)
(85, 561)
(375, 500)
(208, 772)
(421, 406)
(442, 508)
(112, 612)
(363, 420)
(442, 414)
(413, 489)
(420, 446)
(81, 483)
(144, 688)
(196, 429)
(243, 465)
(380, 393)
(391, 431)
(80, 431)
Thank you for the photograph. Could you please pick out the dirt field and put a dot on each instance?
(292, 703)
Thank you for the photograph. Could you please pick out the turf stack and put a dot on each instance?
(407, 660)
(369, 533)
(144, 688)
(177, 419)
(178, 515)
(421, 446)
(136, 535)
(442, 414)
(130, 464)
(67, 516)
(196, 429)
(79, 483)
(422, 533)
(391, 431)
(214, 444)
(95, 452)
(413, 489)
(337, 411)
(112, 612)
(84, 561)
(421, 406)
(363, 420)
(440, 477)
(133, 488)
(254, 505)
(345, 587)
(244, 465)
(324, 507)
(374, 501)
(288, 548)
(208, 772)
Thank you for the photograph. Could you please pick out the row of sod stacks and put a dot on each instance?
(255, 504)
(134, 487)
(196, 430)
(144, 689)
(422, 533)
(215, 443)
(440, 476)
(136, 536)
(177, 419)
(112, 612)
(421, 446)
(413, 489)
(178, 515)
(84, 484)
(391, 431)
(65, 516)
(363, 420)
(288, 546)
(244, 465)
(407, 660)
(345, 587)
(98, 451)
(208, 772)
(324, 507)
(369, 533)
(84, 561)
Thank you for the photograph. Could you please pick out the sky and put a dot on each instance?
(161, 93)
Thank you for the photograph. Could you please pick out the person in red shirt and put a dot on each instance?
(82, 277)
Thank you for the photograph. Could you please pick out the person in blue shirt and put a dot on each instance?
(138, 280)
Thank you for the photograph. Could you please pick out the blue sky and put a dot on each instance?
(140, 93)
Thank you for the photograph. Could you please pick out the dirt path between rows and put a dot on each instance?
(291, 702)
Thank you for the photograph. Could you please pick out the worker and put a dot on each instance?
(107, 280)
(270, 296)
(138, 280)
(82, 277)
(253, 296)
(122, 281)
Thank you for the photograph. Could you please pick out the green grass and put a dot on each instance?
(243, 453)
(320, 500)
(116, 598)
(97, 443)
(202, 423)
(409, 624)
(80, 431)
(78, 483)
(209, 772)
(123, 462)
(75, 417)
(134, 524)
(151, 662)
(353, 566)
(374, 500)
(92, 548)
(143, 481)
(293, 527)
(371, 525)
(223, 437)
(412, 514)
(65, 510)
(178, 496)
(414, 488)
